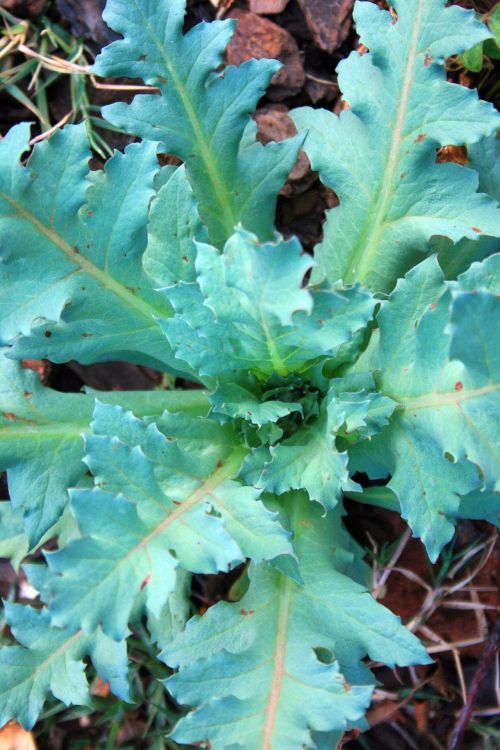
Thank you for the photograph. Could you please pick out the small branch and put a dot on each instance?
(490, 650)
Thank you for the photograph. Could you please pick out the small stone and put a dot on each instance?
(24, 8)
(267, 6)
(257, 37)
(329, 21)
(274, 124)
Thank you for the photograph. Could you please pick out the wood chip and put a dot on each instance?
(267, 6)
(274, 124)
(329, 21)
(14, 737)
(260, 38)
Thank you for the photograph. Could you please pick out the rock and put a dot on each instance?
(328, 21)
(267, 6)
(116, 376)
(24, 8)
(14, 737)
(260, 38)
(274, 124)
(318, 88)
(85, 20)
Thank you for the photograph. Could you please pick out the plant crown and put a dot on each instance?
(376, 357)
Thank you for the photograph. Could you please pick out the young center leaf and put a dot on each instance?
(201, 112)
(311, 459)
(379, 155)
(249, 311)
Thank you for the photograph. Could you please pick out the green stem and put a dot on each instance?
(380, 497)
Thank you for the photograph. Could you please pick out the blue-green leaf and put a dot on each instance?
(173, 226)
(14, 543)
(439, 361)
(249, 311)
(256, 670)
(151, 510)
(241, 401)
(51, 659)
(484, 158)
(201, 113)
(81, 292)
(307, 460)
(41, 438)
(379, 155)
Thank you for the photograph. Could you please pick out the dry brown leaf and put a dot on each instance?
(14, 737)
(100, 688)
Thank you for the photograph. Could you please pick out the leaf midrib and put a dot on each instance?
(144, 309)
(435, 399)
(50, 430)
(204, 491)
(63, 648)
(363, 254)
(220, 191)
(279, 657)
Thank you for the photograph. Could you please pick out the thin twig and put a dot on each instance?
(323, 81)
(388, 569)
(491, 649)
(52, 130)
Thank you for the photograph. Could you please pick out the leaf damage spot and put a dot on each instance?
(476, 229)
(145, 582)
(47, 334)
(428, 60)
(246, 612)
(420, 137)
(459, 385)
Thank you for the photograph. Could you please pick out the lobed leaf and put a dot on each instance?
(41, 438)
(248, 311)
(152, 500)
(51, 659)
(286, 659)
(201, 112)
(379, 155)
(484, 158)
(81, 292)
(439, 361)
